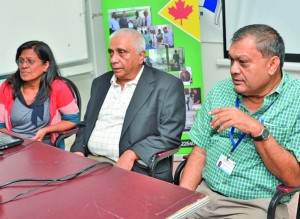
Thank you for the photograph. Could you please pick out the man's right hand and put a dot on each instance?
(227, 117)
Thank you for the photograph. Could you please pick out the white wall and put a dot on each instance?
(212, 73)
(63, 28)
(97, 53)
(83, 72)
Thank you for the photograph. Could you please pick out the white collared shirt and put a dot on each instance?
(105, 137)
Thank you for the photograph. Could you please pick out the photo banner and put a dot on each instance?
(173, 43)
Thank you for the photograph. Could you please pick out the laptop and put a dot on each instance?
(8, 141)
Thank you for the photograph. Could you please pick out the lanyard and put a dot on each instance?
(235, 144)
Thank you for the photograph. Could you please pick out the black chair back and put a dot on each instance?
(75, 92)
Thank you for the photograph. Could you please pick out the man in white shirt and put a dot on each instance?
(134, 111)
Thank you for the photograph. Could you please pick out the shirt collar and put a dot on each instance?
(277, 90)
(113, 80)
(280, 86)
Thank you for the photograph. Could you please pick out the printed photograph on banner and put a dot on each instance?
(168, 59)
(134, 18)
(192, 104)
(185, 76)
(190, 118)
(158, 37)
(176, 61)
(192, 99)
(195, 95)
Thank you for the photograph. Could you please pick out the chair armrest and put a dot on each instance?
(165, 154)
(287, 189)
(161, 156)
(185, 157)
(72, 130)
(282, 191)
(179, 169)
(67, 133)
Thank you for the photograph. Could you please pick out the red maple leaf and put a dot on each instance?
(180, 12)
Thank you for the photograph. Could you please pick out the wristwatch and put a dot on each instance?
(264, 135)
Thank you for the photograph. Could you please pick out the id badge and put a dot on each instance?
(226, 165)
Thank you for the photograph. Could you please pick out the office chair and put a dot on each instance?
(65, 134)
(282, 191)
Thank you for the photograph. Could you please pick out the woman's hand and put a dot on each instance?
(40, 134)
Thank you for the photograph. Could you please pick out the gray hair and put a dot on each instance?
(137, 38)
(268, 40)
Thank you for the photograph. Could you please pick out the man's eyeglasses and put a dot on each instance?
(29, 62)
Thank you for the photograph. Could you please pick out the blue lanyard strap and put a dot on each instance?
(235, 144)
